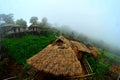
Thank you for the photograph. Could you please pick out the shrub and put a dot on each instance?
(100, 65)
(21, 49)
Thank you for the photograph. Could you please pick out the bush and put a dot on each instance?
(23, 48)
(100, 65)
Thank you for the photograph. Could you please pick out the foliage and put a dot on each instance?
(21, 49)
(44, 21)
(6, 18)
(100, 65)
(22, 23)
(34, 20)
(112, 57)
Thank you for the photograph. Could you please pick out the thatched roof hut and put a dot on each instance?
(12, 28)
(9, 27)
(33, 27)
(62, 57)
(56, 61)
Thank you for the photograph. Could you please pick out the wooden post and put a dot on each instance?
(10, 78)
(118, 77)
(0, 47)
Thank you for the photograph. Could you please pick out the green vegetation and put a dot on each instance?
(21, 22)
(100, 65)
(21, 49)
(112, 57)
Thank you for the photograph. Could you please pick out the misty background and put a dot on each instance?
(98, 19)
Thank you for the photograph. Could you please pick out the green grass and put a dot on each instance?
(23, 48)
(113, 57)
(20, 49)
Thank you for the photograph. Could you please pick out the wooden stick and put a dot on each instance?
(10, 78)
(82, 76)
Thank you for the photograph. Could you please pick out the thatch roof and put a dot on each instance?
(115, 69)
(56, 61)
(80, 46)
(33, 25)
(94, 51)
(66, 41)
(11, 25)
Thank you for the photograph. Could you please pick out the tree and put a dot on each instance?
(6, 18)
(21, 22)
(34, 20)
(44, 21)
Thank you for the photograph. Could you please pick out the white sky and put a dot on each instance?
(95, 18)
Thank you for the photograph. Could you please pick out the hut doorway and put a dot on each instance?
(87, 70)
(85, 64)
(14, 30)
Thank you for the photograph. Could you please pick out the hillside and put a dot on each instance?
(20, 49)
(113, 57)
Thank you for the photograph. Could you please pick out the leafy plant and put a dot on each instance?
(100, 65)
(23, 48)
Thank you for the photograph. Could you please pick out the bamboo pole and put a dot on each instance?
(88, 65)
(82, 76)
(10, 78)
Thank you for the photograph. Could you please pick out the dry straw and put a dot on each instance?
(56, 61)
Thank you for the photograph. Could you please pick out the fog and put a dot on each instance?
(99, 19)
